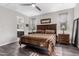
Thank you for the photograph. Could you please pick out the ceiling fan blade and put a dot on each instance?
(26, 4)
(37, 8)
(31, 4)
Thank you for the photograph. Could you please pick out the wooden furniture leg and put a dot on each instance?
(20, 43)
(50, 49)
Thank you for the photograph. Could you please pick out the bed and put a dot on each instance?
(44, 37)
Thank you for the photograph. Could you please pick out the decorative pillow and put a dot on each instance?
(50, 31)
(40, 31)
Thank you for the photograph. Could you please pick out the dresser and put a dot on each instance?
(20, 32)
(63, 38)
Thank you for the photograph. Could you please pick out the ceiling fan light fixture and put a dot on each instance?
(33, 5)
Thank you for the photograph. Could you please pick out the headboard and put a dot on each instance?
(47, 27)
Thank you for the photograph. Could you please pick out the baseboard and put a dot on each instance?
(78, 45)
(8, 43)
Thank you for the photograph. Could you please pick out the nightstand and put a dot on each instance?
(63, 38)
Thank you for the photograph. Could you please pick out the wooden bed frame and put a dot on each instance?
(43, 27)
(47, 27)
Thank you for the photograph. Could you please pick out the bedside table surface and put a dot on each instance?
(63, 34)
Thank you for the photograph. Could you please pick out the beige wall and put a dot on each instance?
(55, 19)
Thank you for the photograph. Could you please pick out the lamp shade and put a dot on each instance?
(63, 26)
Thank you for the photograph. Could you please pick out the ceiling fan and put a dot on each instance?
(31, 4)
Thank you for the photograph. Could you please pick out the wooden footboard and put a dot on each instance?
(43, 44)
(50, 48)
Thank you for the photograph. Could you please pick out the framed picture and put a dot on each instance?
(27, 25)
(44, 21)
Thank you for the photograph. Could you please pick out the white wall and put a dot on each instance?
(76, 11)
(7, 26)
(26, 21)
(26, 29)
(55, 19)
(32, 24)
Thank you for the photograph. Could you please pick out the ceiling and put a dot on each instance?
(31, 11)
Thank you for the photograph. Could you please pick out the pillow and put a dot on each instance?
(49, 31)
(40, 31)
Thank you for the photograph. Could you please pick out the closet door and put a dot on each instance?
(78, 32)
(74, 31)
